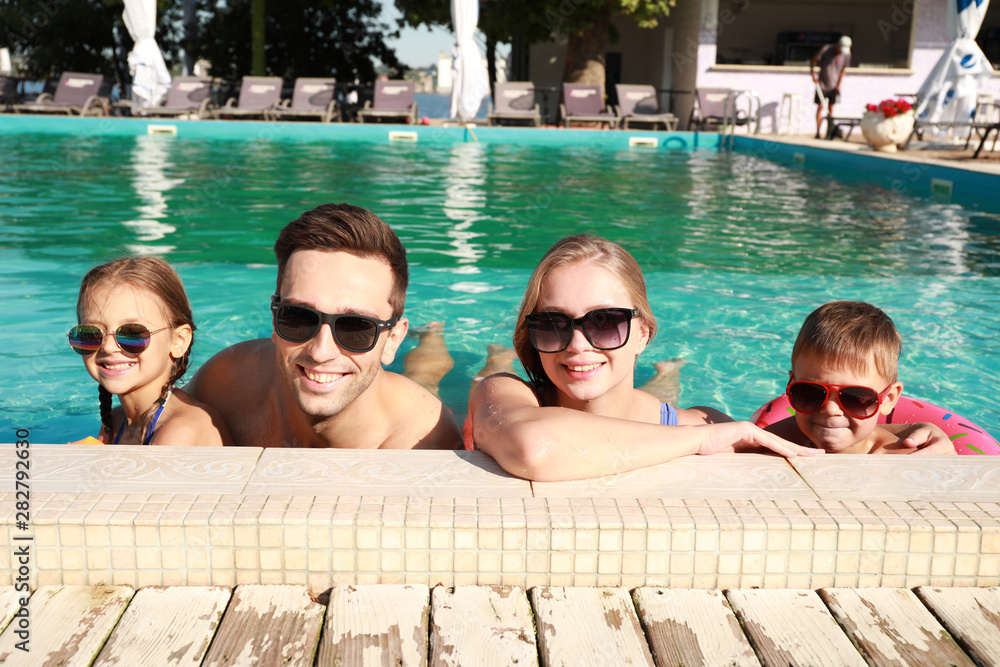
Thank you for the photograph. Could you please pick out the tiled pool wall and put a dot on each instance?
(192, 516)
(969, 185)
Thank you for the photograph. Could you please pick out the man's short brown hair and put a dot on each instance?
(350, 229)
(851, 333)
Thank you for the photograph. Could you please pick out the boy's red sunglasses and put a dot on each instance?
(859, 402)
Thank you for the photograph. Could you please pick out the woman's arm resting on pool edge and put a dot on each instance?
(553, 444)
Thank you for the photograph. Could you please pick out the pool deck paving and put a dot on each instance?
(334, 553)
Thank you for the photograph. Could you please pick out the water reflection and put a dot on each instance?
(150, 161)
(465, 201)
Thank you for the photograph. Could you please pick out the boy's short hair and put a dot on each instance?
(350, 229)
(851, 333)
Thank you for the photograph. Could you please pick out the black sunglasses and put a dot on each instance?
(859, 402)
(604, 328)
(134, 338)
(355, 333)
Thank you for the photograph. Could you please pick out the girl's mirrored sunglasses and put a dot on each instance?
(85, 339)
(355, 333)
(859, 402)
(604, 328)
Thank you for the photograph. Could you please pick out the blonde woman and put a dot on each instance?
(583, 322)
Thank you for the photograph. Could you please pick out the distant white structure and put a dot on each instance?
(5, 66)
(444, 72)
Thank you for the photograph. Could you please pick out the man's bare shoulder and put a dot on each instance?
(420, 419)
(236, 373)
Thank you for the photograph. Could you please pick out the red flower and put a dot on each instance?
(890, 108)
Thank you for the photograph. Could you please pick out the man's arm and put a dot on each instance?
(232, 381)
(419, 420)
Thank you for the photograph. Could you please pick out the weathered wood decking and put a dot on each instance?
(485, 625)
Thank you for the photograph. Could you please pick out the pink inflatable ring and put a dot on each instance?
(966, 436)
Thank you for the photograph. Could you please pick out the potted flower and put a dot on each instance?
(887, 124)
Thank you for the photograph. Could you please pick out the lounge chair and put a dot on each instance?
(710, 108)
(393, 101)
(515, 101)
(637, 104)
(258, 94)
(311, 98)
(584, 103)
(188, 95)
(76, 94)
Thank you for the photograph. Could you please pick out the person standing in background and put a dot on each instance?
(832, 60)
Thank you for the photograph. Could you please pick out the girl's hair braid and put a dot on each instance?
(105, 397)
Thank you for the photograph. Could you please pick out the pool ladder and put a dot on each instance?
(729, 116)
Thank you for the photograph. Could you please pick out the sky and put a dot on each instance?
(419, 47)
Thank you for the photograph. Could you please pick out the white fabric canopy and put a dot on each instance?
(949, 92)
(150, 78)
(470, 83)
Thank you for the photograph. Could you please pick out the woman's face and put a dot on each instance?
(582, 373)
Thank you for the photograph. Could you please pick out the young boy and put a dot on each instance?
(843, 377)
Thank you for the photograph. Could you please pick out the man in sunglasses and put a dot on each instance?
(337, 317)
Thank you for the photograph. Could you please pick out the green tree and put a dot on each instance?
(586, 22)
(340, 38)
(54, 36)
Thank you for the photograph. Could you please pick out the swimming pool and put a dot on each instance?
(736, 249)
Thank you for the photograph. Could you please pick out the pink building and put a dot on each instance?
(764, 46)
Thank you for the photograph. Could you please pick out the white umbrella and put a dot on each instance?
(150, 78)
(470, 83)
(949, 93)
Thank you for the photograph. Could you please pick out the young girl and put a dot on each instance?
(584, 320)
(135, 336)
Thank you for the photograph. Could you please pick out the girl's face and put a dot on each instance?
(122, 373)
(581, 372)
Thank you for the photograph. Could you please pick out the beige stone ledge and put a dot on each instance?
(177, 516)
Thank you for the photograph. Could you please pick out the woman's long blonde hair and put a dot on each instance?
(572, 249)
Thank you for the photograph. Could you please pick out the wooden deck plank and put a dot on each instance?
(166, 626)
(692, 627)
(790, 627)
(9, 604)
(972, 616)
(383, 624)
(69, 625)
(267, 625)
(588, 626)
(891, 627)
(481, 625)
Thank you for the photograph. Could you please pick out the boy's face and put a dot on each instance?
(831, 428)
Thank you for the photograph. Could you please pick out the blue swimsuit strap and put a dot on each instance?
(152, 424)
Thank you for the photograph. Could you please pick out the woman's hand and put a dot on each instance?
(745, 437)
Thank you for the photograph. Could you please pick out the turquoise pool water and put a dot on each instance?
(736, 250)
